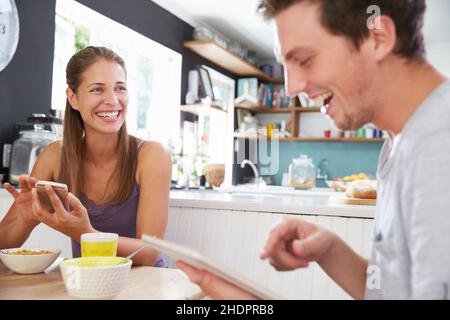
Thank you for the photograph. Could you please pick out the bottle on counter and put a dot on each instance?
(285, 179)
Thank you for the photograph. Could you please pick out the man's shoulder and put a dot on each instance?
(431, 121)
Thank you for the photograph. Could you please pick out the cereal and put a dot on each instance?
(29, 252)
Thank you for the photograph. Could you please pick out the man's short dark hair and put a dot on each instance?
(349, 18)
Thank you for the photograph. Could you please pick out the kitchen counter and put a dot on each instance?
(303, 203)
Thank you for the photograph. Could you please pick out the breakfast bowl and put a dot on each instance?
(29, 260)
(95, 277)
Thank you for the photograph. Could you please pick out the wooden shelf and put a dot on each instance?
(201, 108)
(337, 139)
(213, 52)
(257, 108)
(307, 109)
(255, 136)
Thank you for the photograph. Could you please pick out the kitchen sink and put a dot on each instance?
(277, 190)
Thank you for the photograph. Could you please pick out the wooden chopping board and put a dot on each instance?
(354, 201)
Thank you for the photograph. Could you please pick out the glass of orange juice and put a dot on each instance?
(99, 244)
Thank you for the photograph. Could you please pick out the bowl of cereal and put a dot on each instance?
(29, 260)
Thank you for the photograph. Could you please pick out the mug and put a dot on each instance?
(99, 244)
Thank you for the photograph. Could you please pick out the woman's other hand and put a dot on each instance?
(23, 199)
(73, 223)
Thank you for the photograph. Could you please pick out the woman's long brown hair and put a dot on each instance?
(73, 146)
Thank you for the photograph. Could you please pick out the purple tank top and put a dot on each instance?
(119, 218)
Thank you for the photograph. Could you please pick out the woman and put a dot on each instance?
(118, 183)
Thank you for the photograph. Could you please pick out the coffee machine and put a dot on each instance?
(30, 139)
(48, 121)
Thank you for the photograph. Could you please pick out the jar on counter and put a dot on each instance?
(26, 149)
(302, 173)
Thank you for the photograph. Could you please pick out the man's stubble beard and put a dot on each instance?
(356, 120)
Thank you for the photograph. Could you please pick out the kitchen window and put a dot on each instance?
(209, 139)
(153, 70)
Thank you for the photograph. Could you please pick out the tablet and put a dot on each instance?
(195, 259)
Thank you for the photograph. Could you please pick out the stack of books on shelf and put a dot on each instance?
(268, 95)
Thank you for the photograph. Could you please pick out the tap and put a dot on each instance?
(255, 170)
(322, 170)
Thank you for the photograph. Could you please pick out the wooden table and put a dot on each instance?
(144, 283)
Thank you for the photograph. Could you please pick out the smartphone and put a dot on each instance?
(60, 189)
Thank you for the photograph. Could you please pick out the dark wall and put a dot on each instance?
(25, 85)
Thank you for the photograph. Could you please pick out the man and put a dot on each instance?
(370, 68)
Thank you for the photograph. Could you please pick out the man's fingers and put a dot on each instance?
(284, 261)
(194, 274)
(281, 233)
(214, 286)
(307, 247)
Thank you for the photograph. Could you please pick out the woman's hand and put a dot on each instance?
(294, 243)
(213, 286)
(23, 199)
(73, 223)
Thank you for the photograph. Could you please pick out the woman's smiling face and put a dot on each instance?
(102, 97)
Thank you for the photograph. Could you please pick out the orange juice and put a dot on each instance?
(99, 244)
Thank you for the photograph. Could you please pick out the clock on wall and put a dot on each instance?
(9, 31)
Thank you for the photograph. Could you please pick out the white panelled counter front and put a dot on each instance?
(231, 228)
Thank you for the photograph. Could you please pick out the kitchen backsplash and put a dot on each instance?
(344, 158)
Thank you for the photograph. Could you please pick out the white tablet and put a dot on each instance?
(195, 259)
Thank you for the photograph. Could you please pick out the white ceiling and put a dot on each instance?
(237, 20)
(234, 19)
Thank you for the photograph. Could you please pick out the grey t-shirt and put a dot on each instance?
(411, 241)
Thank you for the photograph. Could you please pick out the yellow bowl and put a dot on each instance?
(95, 277)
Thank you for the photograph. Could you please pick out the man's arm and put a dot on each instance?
(293, 244)
(346, 268)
